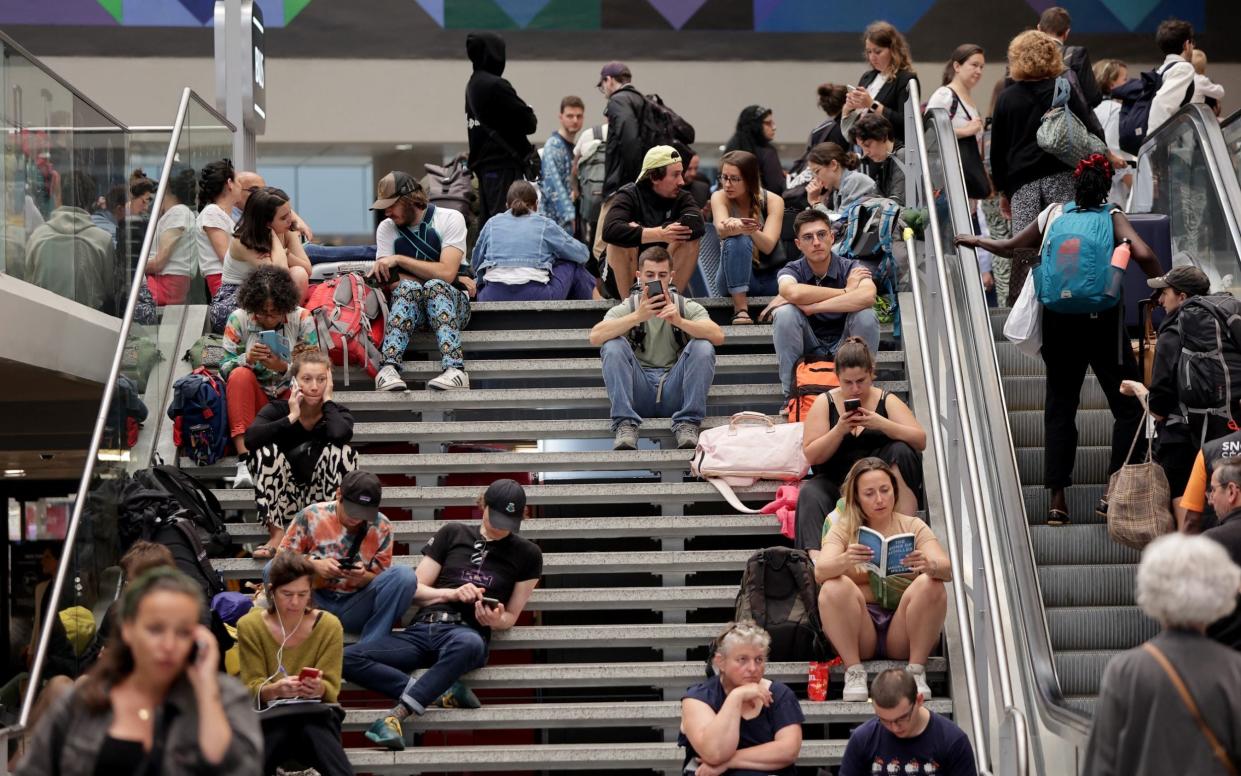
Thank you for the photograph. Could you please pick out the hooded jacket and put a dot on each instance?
(498, 108)
(72, 257)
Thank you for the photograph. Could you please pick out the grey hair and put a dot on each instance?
(1187, 581)
(1229, 471)
(747, 633)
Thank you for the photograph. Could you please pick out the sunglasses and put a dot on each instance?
(480, 552)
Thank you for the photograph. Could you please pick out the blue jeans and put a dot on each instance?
(636, 391)
(737, 272)
(794, 338)
(447, 650)
(372, 611)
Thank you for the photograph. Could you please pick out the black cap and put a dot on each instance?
(361, 492)
(506, 502)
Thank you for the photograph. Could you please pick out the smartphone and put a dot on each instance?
(348, 563)
(654, 288)
(750, 222)
(852, 405)
(309, 672)
(276, 343)
(686, 220)
(491, 603)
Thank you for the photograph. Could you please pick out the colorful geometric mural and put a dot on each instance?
(136, 13)
(1104, 16)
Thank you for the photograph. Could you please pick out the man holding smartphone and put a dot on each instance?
(658, 352)
(654, 210)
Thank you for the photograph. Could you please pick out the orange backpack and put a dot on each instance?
(811, 378)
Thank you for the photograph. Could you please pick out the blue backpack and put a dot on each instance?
(199, 413)
(1076, 273)
(870, 227)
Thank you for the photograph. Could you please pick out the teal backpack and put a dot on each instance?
(1076, 273)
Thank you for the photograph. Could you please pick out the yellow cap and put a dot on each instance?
(658, 156)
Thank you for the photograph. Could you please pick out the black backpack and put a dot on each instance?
(661, 125)
(179, 534)
(1210, 358)
(163, 491)
(778, 593)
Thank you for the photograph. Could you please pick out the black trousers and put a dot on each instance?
(1071, 343)
(493, 191)
(312, 740)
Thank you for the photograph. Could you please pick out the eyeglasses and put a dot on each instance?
(480, 552)
(730, 179)
(809, 238)
(901, 720)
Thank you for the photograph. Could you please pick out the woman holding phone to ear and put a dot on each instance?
(154, 703)
(290, 650)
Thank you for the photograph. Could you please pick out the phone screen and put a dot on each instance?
(309, 672)
(491, 603)
(654, 288)
(853, 405)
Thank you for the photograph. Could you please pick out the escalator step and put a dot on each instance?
(1089, 466)
(1029, 393)
(1082, 501)
(1094, 427)
(1077, 545)
(1013, 362)
(1081, 672)
(1088, 585)
(1085, 628)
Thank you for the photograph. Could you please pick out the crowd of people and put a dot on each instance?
(606, 212)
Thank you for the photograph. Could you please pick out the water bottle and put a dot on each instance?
(1120, 263)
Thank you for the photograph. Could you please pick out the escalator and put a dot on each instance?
(1066, 597)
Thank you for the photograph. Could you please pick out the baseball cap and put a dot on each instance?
(615, 70)
(1187, 280)
(506, 500)
(361, 492)
(392, 187)
(658, 156)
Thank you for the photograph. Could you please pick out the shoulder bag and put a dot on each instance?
(750, 448)
(1138, 498)
(1062, 134)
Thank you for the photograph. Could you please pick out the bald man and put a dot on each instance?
(249, 181)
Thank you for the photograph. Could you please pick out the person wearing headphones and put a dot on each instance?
(291, 656)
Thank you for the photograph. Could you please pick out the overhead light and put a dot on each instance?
(404, 146)
(113, 455)
(14, 472)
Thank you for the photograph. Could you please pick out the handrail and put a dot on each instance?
(62, 571)
(32, 59)
(957, 189)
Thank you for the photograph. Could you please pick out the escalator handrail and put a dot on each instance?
(1234, 116)
(58, 583)
(992, 608)
(9, 43)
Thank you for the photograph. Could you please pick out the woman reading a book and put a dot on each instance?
(299, 448)
(883, 575)
(855, 421)
(291, 658)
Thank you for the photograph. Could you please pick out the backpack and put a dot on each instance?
(139, 358)
(207, 351)
(591, 172)
(811, 378)
(451, 186)
(350, 317)
(1210, 357)
(637, 334)
(660, 125)
(779, 595)
(188, 553)
(1076, 274)
(1136, 96)
(126, 414)
(870, 227)
(199, 411)
(191, 500)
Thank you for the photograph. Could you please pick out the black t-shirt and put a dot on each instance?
(503, 564)
(941, 749)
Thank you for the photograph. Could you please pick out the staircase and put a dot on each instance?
(1087, 580)
(641, 563)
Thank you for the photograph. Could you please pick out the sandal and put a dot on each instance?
(742, 318)
(263, 552)
(1057, 517)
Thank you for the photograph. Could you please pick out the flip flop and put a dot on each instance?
(742, 318)
(263, 552)
(1057, 517)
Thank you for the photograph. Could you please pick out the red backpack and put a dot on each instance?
(350, 317)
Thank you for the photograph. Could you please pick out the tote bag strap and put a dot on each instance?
(1216, 747)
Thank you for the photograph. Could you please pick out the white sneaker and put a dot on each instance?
(452, 379)
(919, 674)
(389, 379)
(856, 690)
(243, 479)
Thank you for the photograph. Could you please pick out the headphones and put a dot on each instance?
(271, 607)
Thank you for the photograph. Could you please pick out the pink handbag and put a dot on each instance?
(750, 448)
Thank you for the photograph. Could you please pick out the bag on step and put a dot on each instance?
(178, 534)
(199, 412)
(451, 186)
(350, 317)
(750, 448)
(1139, 501)
(207, 352)
(194, 501)
(779, 595)
(811, 378)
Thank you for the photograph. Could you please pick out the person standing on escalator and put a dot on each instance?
(497, 121)
(1073, 341)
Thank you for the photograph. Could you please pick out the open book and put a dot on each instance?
(889, 552)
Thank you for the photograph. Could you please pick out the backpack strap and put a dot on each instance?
(757, 583)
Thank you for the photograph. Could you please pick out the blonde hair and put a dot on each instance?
(1033, 56)
(1200, 61)
(852, 518)
(1106, 71)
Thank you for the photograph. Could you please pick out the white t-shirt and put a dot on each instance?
(448, 223)
(516, 276)
(212, 217)
(874, 86)
(943, 98)
(184, 254)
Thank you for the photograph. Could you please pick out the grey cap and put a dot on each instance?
(1188, 280)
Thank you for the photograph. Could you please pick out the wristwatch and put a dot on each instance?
(874, 105)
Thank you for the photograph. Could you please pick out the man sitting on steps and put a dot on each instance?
(658, 351)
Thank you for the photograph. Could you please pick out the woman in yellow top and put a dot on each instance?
(291, 651)
(858, 627)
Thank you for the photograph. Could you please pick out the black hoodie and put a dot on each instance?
(498, 108)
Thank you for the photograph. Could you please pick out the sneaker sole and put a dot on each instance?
(439, 387)
(392, 387)
(856, 698)
(623, 446)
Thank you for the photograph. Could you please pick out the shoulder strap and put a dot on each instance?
(726, 491)
(1216, 747)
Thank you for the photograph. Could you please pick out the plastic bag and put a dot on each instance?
(1024, 327)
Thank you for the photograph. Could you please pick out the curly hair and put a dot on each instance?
(1187, 581)
(268, 283)
(1092, 181)
(884, 35)
(872, 126)
(1034, 56)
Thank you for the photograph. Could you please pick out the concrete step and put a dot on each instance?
(557, 715)
(1094, 428)
(1029, 393)
(578, 528)
(509, 430)
(476, 341)
(413, 465)
(1082, 500)
(1089, 465)
(1092, 628)
(625, 493)
(1078, 545)
(1092, 585)
(654, 562)
(576, 758)
(581, 312)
